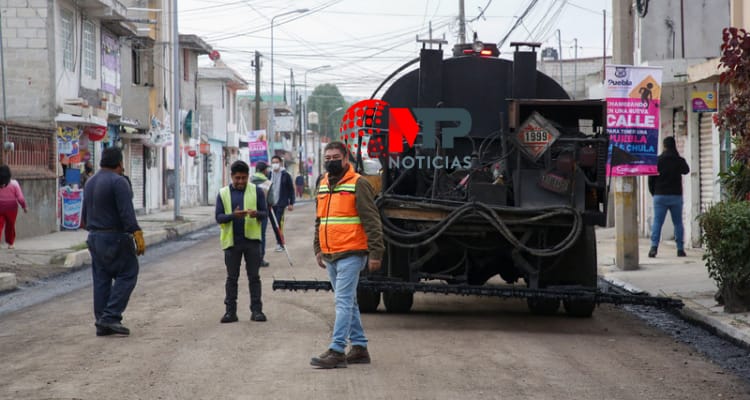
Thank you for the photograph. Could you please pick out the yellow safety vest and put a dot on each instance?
(252, 225)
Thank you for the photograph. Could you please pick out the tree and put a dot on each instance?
(324, 100)
(735, 116)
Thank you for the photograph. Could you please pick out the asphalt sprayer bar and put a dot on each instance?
(560, 293)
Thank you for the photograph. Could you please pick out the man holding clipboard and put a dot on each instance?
(239, 209)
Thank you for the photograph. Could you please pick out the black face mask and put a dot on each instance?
(334, 167)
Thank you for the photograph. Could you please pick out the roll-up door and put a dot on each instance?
(707, 174)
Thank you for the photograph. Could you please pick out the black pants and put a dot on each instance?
(114, 268)
(278, 212)
(250, 249)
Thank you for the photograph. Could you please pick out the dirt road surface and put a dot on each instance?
(447, 348)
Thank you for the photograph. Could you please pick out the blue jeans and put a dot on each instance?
(673, 203)
(114, 268)
(344, 276)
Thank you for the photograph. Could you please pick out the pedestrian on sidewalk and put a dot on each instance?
(282, 198)
(260, 179)
(109, 216)
(88, 172)
(11, 196)
(667, 191)
(240, 207)
(348, 237)
(299, 184)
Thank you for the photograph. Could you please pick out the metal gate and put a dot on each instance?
(137, 174)
(706, 155)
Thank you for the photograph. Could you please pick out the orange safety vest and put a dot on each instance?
(340, 228)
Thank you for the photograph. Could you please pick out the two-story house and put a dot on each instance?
(218, 113)
(62, 78)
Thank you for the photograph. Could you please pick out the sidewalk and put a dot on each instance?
(67, 249)
(684, 278)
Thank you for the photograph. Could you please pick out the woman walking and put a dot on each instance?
(10, 197)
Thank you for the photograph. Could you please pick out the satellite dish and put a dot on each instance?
(214, 55)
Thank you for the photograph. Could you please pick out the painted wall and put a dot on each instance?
(660, 34)
(41, 200)
(27, 49)
(213, 92)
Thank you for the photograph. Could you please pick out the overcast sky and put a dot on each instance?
(364, 41)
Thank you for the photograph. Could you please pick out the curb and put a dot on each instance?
(698, 314)
(7, 281)
(80, 258)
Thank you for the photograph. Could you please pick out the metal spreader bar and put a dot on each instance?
(559, 293)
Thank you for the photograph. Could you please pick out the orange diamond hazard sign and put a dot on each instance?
(536, 135)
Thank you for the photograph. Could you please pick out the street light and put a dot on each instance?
(304, 117)
(272, 120)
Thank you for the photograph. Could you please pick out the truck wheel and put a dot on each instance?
(398, 302)
(368, 300)
(541, 306)
(579, 308)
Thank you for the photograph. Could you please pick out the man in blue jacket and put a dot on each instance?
(281, 197)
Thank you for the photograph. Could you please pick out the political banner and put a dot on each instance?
(258, 152)
(633, 104)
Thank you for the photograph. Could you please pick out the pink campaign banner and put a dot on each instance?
(633, 104)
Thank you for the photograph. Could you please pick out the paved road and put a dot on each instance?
(447, 348)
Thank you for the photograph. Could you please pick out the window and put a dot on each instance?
(66, 17)
(136, 53)
(89, 49)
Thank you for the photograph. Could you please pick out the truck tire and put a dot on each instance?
(541, 306)
(368, 300)
(398, 302)
(584, 254)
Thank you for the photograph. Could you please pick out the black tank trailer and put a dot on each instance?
(517, 196)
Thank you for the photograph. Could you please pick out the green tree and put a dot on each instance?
(324, 100)
(735, 116)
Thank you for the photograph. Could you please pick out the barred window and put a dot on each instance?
(66, 17)
(89, 49)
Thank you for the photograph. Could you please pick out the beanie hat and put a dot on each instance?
(111, 157)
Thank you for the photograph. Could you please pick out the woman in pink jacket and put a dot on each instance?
(10, 197)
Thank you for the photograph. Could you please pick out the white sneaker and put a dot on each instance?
(279, 248)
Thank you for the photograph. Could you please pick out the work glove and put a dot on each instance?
(140, 243)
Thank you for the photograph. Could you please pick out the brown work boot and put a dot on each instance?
(329, 359)
(358, 355)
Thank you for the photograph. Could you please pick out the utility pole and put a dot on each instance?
(575, 68)
(256, 119)
(604, 45)
(5, 103)
(461, 22)
(559, 60)
(625, 187)
(176, 109)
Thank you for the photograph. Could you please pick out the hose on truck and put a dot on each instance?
(404, 238)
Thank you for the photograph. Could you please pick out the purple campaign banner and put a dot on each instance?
(633, 104)
(258, 152)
